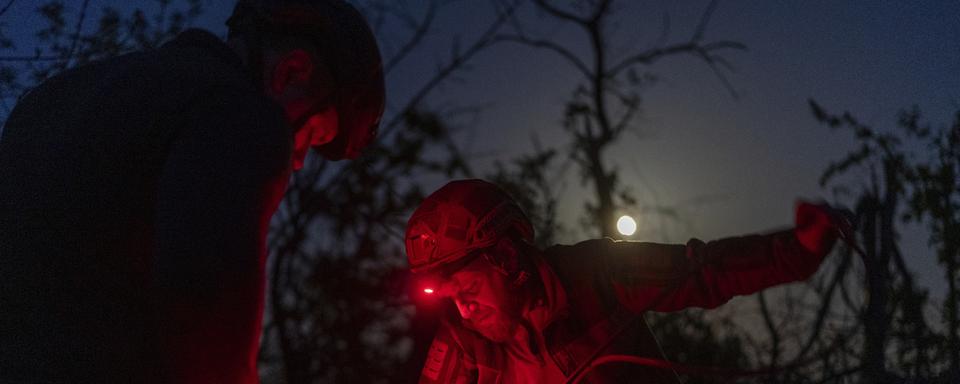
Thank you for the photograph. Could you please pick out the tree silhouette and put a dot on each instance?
(936, 196)
(72, 35)
(896, 341)
(603, 106)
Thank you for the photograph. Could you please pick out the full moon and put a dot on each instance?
(626, 225)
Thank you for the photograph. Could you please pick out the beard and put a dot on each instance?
(497, 328)
(500, 324)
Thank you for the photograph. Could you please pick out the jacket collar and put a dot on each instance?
(553, 304)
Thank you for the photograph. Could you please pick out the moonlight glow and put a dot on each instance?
(626, 225)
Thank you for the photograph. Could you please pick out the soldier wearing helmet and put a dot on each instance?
(137, 191)
(520, 314)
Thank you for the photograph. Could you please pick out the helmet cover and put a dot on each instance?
(459, 218)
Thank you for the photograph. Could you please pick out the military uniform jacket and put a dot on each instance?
(135, 194)
(595, 293)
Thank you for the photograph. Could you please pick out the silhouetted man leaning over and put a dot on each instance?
(135, 193)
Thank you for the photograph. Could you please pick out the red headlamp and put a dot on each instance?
(430, 288)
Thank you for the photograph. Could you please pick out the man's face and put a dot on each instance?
(484, 301)
(304, 89)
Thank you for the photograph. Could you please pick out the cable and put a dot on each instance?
(695, 370)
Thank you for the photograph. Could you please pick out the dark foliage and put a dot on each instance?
(74, 34)
(896, 342)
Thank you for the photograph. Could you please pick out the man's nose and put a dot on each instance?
(466, 308)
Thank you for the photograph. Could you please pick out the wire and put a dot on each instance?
(683, 368)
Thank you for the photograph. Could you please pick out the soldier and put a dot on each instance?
(135, 193)
(522, 314)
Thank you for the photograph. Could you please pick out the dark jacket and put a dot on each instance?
(596, 292)
(135, 194)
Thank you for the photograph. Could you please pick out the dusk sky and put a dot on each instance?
(730, 165)
(734, 166)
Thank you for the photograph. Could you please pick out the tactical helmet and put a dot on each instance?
(347, 45)
(461, 217)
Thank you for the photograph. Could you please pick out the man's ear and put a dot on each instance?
(294, 68)
(507, 255)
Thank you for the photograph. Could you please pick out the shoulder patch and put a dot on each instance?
(436, 359)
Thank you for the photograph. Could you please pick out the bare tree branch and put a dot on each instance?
(704, 20)
(772, 330)
(560, 14)
(76, 34)
(650, 56)
(500, 5)
(486, 39)
(6, 7)
(712, 63)
(419, 31)
(600, 11)
(827, 301)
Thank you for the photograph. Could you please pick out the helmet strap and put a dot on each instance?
(511, 261)
(521, 279)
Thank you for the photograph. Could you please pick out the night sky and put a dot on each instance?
(730, 165)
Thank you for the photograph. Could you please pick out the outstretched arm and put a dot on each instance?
(660, 277)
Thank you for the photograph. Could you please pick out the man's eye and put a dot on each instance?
(472, 288)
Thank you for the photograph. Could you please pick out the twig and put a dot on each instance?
(649, 56)
(419, 31)
(711, 62)
(771, 328)
(6, 7)
(559, 13)
(76, 34)
(704, 20)
(838, 276)
(485, 40)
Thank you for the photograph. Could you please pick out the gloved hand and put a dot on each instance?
(818, 226)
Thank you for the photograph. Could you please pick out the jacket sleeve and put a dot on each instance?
(225, 173)
(661, 277)
(447, 361)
